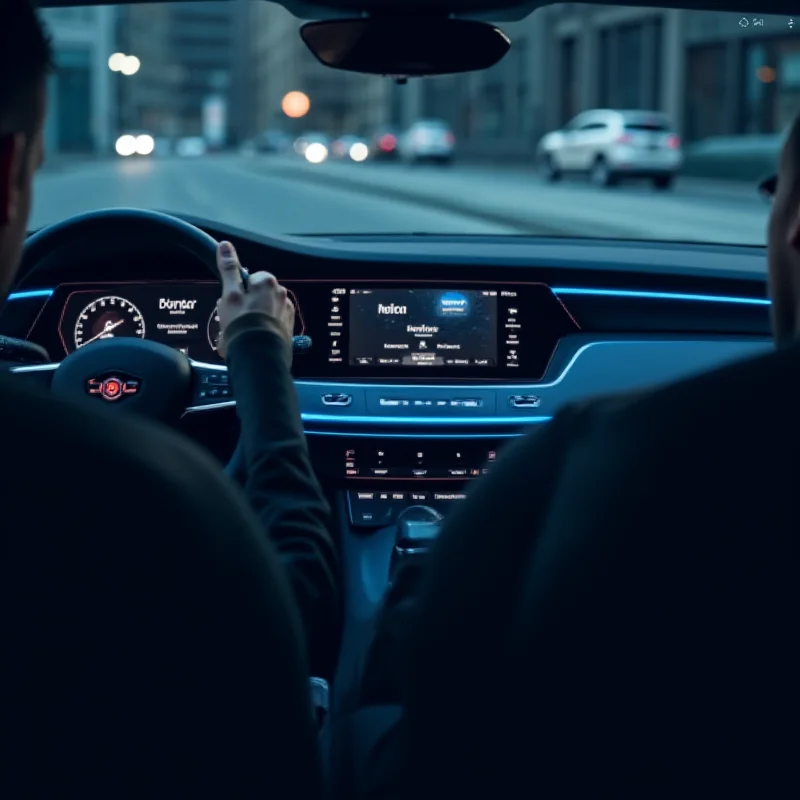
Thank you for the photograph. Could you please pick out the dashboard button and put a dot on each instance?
(524, 401)
(336, 399)
(466, 402)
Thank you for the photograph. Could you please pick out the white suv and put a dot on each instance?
(612, 145)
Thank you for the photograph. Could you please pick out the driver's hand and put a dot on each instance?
(263, 294)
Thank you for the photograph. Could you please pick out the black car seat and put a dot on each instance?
(150, 647)
(632, 633)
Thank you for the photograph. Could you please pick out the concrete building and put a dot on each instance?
(341, 102)
(82, 113)
(189, 52)
(711, 74)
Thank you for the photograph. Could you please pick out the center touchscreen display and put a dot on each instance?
(424, 328)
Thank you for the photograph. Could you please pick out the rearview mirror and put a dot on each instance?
(405, 46)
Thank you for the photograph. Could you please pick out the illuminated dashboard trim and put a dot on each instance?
(561, 290)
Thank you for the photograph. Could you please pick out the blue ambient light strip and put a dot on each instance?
(565, 290)
(703, 298)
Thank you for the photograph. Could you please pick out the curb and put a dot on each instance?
(524, 225)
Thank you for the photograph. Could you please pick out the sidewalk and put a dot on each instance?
(695, 210)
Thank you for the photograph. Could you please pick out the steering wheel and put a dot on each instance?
(138, 375)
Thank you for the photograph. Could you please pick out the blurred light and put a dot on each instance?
(449, 138)
(338, 147)
(116, 61)
(765, 74)
(145, 144)
(130, 66)
(387, 143)
(626, 138)
(673, 141)
(359, 151)
(295, 104)
(300, 146)
(126, 145)
(316, 153)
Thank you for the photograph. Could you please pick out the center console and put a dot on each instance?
(382, 476)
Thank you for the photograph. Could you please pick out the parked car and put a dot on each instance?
(610, 146)
(428, 140)
(272, 141)
(191, 147)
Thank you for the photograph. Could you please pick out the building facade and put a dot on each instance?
(189, 53)
(82, 101)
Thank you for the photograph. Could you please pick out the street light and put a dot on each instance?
(131, 65)
(116, 61)
(295, 105)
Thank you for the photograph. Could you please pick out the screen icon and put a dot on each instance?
(743, 23)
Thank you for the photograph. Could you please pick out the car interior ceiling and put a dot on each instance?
(568, 319)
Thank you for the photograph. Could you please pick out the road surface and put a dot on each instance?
(288, 195)
(228, 190)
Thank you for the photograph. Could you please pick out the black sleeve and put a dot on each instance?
(281, 484)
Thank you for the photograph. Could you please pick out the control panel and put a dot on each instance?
(211, 385)
(416, 459)
(377, 509)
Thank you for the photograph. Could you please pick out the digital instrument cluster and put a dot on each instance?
(378, 330)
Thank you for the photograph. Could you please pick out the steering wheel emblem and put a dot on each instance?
(113, 388)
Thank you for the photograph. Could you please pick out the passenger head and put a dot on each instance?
(783, 240)
(25, 60)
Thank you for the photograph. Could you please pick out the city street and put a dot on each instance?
(287, 195)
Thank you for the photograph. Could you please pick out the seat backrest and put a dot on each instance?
(634, 628)
(150, 644)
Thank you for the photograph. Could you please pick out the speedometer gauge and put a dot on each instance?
(108, 317)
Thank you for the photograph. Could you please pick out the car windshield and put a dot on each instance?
(601, 121)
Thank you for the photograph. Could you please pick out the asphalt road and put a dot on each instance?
(228, 190)
(288, 195)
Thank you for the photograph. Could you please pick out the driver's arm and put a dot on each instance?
(281, 484)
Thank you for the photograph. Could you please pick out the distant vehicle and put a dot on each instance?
(272, 141)
(428, 140)
(350, 148)
(135, 144)
(610, 146)
(191, 147)
(383, 144)
(312, 137)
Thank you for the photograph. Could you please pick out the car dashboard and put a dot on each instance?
(428, 354)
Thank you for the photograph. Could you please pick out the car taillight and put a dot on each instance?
(625, 138)
(673, 141)
(387, 143)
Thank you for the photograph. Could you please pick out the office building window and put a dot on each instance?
(770, 86)
(492, 109)
(655, 56)
(629, 57)
(605, 68)
(788, 80)
(569, 80)
(706, 92)
(629, 68)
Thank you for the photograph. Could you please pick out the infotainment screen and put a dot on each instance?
(424, 328)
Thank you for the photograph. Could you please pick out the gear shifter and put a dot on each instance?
(417, 529)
